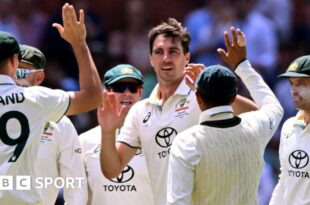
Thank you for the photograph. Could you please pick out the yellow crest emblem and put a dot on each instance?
(293, 67)
(126, 71)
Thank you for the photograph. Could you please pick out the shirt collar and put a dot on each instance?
(6, 80)
(216, 113)
(300, 120)
(182, 90)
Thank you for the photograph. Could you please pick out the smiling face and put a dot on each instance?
(168, 59)
(300, 90)
(127, 97)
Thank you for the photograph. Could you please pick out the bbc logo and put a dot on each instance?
(17, 183)
(27, 183)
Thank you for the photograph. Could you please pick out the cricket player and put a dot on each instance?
(220, 160)
(293, 185)
(154, 122)
(132, 186)
(60, 152)
(25, 111)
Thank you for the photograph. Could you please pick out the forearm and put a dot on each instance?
(88, 75)
(259, 90)
(243, 104)
(110, 162)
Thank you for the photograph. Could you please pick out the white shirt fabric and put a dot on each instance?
(153, 127)
(293, 186)
(60, 157)
(213, 165)
(23, 114)
(131, 187)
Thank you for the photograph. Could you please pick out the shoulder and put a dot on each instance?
(40, 92)
(92, 135)
(139, 107)
(289, 122)
(65, 121)
(186, 137)
(288, 127)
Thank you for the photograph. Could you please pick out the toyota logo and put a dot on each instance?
(164, 136)
(126, 175)
(298, 159)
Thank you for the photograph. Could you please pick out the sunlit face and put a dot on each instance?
(30, 80)
(300, 90)
(126, 97)
(168, 60)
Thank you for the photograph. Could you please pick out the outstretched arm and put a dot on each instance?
(112, 158)
(74, 32)
(263, 96)
(235, 54)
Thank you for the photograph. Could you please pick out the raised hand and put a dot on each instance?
(236, 49)
(73, 30)
(191, 72)
(110, 115)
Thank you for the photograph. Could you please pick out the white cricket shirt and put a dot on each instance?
(23, 114)
(60, 157)
(214, 165)
(153, 127)
(131, 187)
(293, 186)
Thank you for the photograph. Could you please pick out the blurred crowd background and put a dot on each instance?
(277, 32)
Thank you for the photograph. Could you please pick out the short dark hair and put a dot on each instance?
(172, 28)
(225, 100)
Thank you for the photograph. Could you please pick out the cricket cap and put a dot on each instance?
(299, 68)
(122, 71)
(216, 82)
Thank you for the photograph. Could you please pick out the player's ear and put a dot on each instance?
(151, 61)
(39, 77)
(187, 58)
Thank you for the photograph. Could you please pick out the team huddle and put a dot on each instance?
(194, 140)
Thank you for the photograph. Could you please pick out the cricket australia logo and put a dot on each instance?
(298, 159)
(182, 105)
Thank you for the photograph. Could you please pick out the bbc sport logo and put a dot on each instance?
(28, 182)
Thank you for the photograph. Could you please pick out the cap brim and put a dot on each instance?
(122, 77)
(293, 74)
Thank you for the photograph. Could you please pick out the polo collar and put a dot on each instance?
(182, 90)
(6, 80)
(300, 120)
(216, 113)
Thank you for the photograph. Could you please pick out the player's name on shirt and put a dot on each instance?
(14, 98)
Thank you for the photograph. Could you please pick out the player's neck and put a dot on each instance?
(167, 90)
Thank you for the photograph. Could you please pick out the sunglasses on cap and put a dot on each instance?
(24, 73)
(121, 87)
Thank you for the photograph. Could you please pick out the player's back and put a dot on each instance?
(23, 114)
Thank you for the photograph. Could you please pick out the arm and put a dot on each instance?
(113, 158)
(243, 104)
(259, 90)
(240, 105)
(278, 192)
(71, 164)
(181, 171)
(74, 32)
